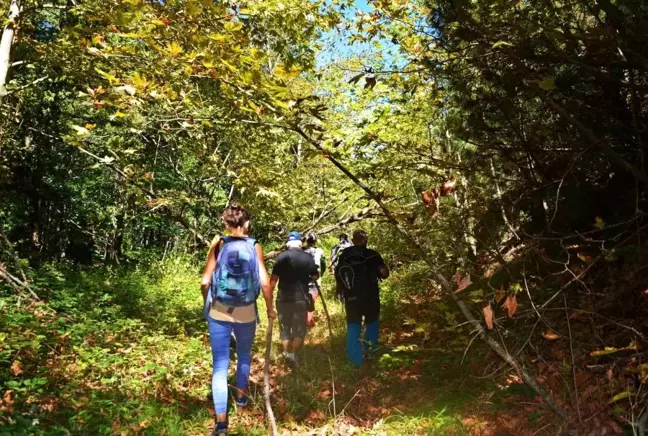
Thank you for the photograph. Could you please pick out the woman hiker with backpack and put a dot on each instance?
(233, 277)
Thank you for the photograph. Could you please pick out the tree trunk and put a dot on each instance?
(6, 44)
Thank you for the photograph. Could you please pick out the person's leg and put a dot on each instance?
(284, 314)
(354, 327)
(300, 311)
(219, 334)
(298, 328)
(244, 337)
(372, 326)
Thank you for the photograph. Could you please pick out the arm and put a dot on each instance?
(265, 283)
(268, 295)
(314, 274)
(322, 262)
(210, 267)
(383, 270)
(333, 255)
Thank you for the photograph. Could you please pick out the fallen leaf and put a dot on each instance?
(447, 187)
(585, 258)
(488, 316)
(499, 295)
(8, 398)
(552, 336)
(510, 305)
(431, 201)
(17, 368)
(464, 283)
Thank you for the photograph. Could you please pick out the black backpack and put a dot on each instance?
(353, 275)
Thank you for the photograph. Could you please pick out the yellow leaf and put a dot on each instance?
(90, 126)
(217, 37)
(233, 27)
(208, 61)
(113, 80)
(139, 81)
(194, 9)
(599, 223)
(173, 49)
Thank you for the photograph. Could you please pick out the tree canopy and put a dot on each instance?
(495, 150)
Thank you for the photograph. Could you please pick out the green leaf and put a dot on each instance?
(547, 83)
(81, 131)
(620, 396)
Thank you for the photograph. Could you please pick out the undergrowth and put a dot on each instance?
(126, 352)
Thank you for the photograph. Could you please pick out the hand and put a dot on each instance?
(310, 319)
(272, 314)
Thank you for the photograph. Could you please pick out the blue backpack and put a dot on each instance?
(236, 281)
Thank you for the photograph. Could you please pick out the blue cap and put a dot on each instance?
(294, 236)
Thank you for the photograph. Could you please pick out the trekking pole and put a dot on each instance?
(266, 380)
(328, 317)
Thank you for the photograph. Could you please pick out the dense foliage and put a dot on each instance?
(495, 150)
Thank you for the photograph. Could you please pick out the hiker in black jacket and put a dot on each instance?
(357, 274)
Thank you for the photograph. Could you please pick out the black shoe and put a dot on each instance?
(219, 431)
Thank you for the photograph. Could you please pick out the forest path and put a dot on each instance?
(409, 387)
(127, 353)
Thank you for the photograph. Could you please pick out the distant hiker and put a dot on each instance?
(335, 255)
(357, 273)
(234, 274)
(294, 270)
(320, 260)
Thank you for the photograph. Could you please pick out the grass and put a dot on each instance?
(127, 353)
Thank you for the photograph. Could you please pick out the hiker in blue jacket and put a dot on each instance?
(357, 274)
(233, 277)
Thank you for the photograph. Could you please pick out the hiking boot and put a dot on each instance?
(291, 360)
(243, 402)
(220, 430)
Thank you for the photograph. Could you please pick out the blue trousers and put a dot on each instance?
(355, 314)
(219, 336)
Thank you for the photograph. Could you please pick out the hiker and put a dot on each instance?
(294, 270)
(320, 260)
(357, 274)
(335, 255)
(234, 274)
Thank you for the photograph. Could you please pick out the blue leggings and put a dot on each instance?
(219, 336)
